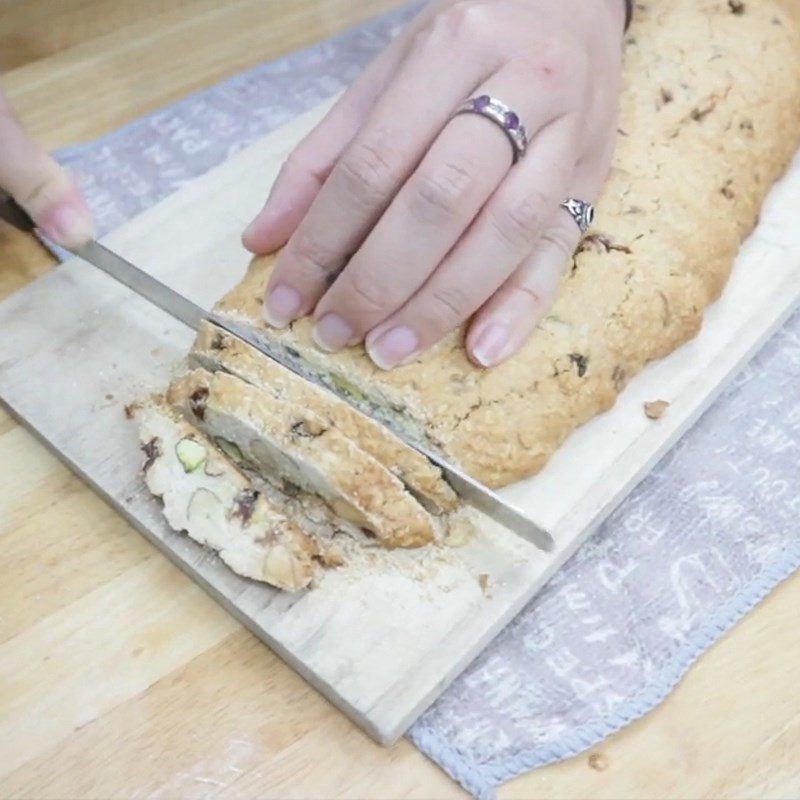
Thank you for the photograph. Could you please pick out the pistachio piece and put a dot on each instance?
(348, 388)
(230, 449)
(282, 569)
(191, 454)
(205, 507)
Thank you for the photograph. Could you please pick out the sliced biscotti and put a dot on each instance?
(289, 443)
(215, 350)
(218, 506)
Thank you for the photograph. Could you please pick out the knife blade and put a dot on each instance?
(190, 314)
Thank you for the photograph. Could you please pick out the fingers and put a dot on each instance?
(506, 321)
(304, 172)
(462, 169)
(40, 185)
(493, 247)
(365, 179)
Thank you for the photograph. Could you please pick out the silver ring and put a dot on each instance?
(580, 211)
(499, 113)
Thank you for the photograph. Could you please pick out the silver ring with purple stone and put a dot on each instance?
(580, 211)
(499, 113)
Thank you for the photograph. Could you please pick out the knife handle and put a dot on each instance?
(14, 214)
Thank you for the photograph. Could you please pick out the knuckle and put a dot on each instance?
(563, 240)
(539, 298)
(314, 261)
(463, 21)
(297, 162)
(450, 305)
(518, 222)
(367, 171)
(443, 192)
(36, 193)
(366, 295)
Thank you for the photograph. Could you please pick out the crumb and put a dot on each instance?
(461, 529)
(598, 761)
(131, 409)
(655, 409)
(331, 557)
(156, 351)
(109, 397)
(483, 582)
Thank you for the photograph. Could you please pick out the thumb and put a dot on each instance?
(40, 185)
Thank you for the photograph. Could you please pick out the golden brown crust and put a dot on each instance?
(293, 443)
(214, 350)
(709, 121)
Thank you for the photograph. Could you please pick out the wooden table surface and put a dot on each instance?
(119, 677)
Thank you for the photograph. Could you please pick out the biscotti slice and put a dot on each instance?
(215, 350)
(218, 506)
(290, 443)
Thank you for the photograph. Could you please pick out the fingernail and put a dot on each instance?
(393, 347)
(331, 333)
(492, 345)
(282, 306)
(68, 226)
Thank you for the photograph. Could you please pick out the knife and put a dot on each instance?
(176, 305)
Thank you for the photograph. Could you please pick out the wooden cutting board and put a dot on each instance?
(382, 641)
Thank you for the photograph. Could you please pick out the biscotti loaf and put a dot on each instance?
(710, 118)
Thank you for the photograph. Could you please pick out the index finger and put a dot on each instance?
(39, 184)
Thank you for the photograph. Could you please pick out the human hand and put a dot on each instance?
(403, 221)
(40, 185)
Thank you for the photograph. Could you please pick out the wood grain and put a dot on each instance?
(729, 750)
(64, 98)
